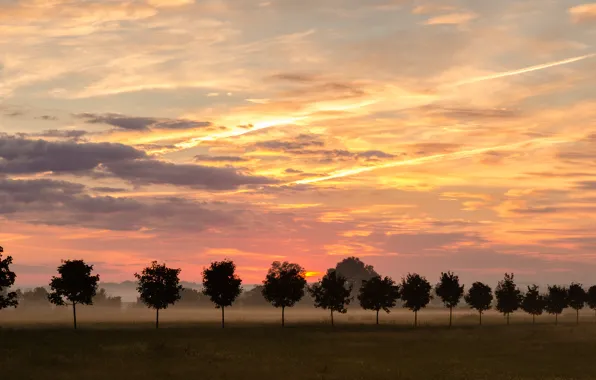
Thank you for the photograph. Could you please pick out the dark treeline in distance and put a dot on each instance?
(285, 286)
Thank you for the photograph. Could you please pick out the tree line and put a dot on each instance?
(285, 285)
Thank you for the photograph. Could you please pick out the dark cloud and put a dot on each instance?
(47, 117)
(63, 203)
(277, 145)
(419, 242)
(145, 172)
(207, 158)
(586, 185)
(73, 134)
(133, 123)
(108, 189)
(295, 77)
(22, 156)
(293, 171)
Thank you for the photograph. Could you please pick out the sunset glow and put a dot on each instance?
(417, 135)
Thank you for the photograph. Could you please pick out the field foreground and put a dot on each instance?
(300, 352)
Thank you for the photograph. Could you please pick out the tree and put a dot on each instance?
(450, 292)
(533, 302)
(332, 293)
(591, 298)
(577, 299)
(355, 271)
(378, 294)
(36, 297)
(7, 279)
(284, 286)
(103, 299)
(74, 284)
(415, 292)
(508, 295)
(556, 300)
(221, 285)
(158, 287)
(253, 297)
(479, 297)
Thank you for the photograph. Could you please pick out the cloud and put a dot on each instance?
(586, 185)
(147, 172)
(23, 156)
(451, 19)
(207, 158)
(73, 134)
(62, 203)
(132, 123)
(583, 13)
(169, 3)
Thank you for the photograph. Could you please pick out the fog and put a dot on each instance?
(130, 315)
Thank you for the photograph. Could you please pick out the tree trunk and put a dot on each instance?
(74, 314)
(508, 318)
(156, 318)
(222, 317)
(377, 317)
(415, 318)
(480, 312)
(533, 319)
(283, 322)
(556, 319)
(332, 317)
(577, 316)
(450, 316)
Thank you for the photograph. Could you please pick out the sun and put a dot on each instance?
(311, 274)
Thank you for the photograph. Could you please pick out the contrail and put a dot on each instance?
(422, 160)
(522, 71)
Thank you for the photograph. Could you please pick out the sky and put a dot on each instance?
(421, 136)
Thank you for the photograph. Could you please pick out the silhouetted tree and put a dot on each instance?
(355, 271)
(378, 294)
(332, 293)
(159, 287)
(591, 298)
(533, 302)
(508, 295)
(479, 297)
(415, 292)
(7, 279)
(450, 292)
(577, 299)
(74, 284)
(103, 299)
(556, 300)
(221, 285)
(284, 286)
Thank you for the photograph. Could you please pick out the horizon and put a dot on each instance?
(419, 136)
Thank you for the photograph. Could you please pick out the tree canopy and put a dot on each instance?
(591, 297)
(415, 292)
(449, 291)
(378, 294)
(284, 285)
(332, 293)
(577, 298)
(355, 271)
(508, 295)
(158, 287)
(479, 297)
(533, 302)
(221, 284)
(74, 284)
(7, 279)
(556, 300)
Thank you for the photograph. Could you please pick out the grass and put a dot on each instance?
(301, 351)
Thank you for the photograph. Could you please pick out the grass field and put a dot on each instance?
(182, 350)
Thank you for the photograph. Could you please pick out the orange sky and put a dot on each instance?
(418, 135)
